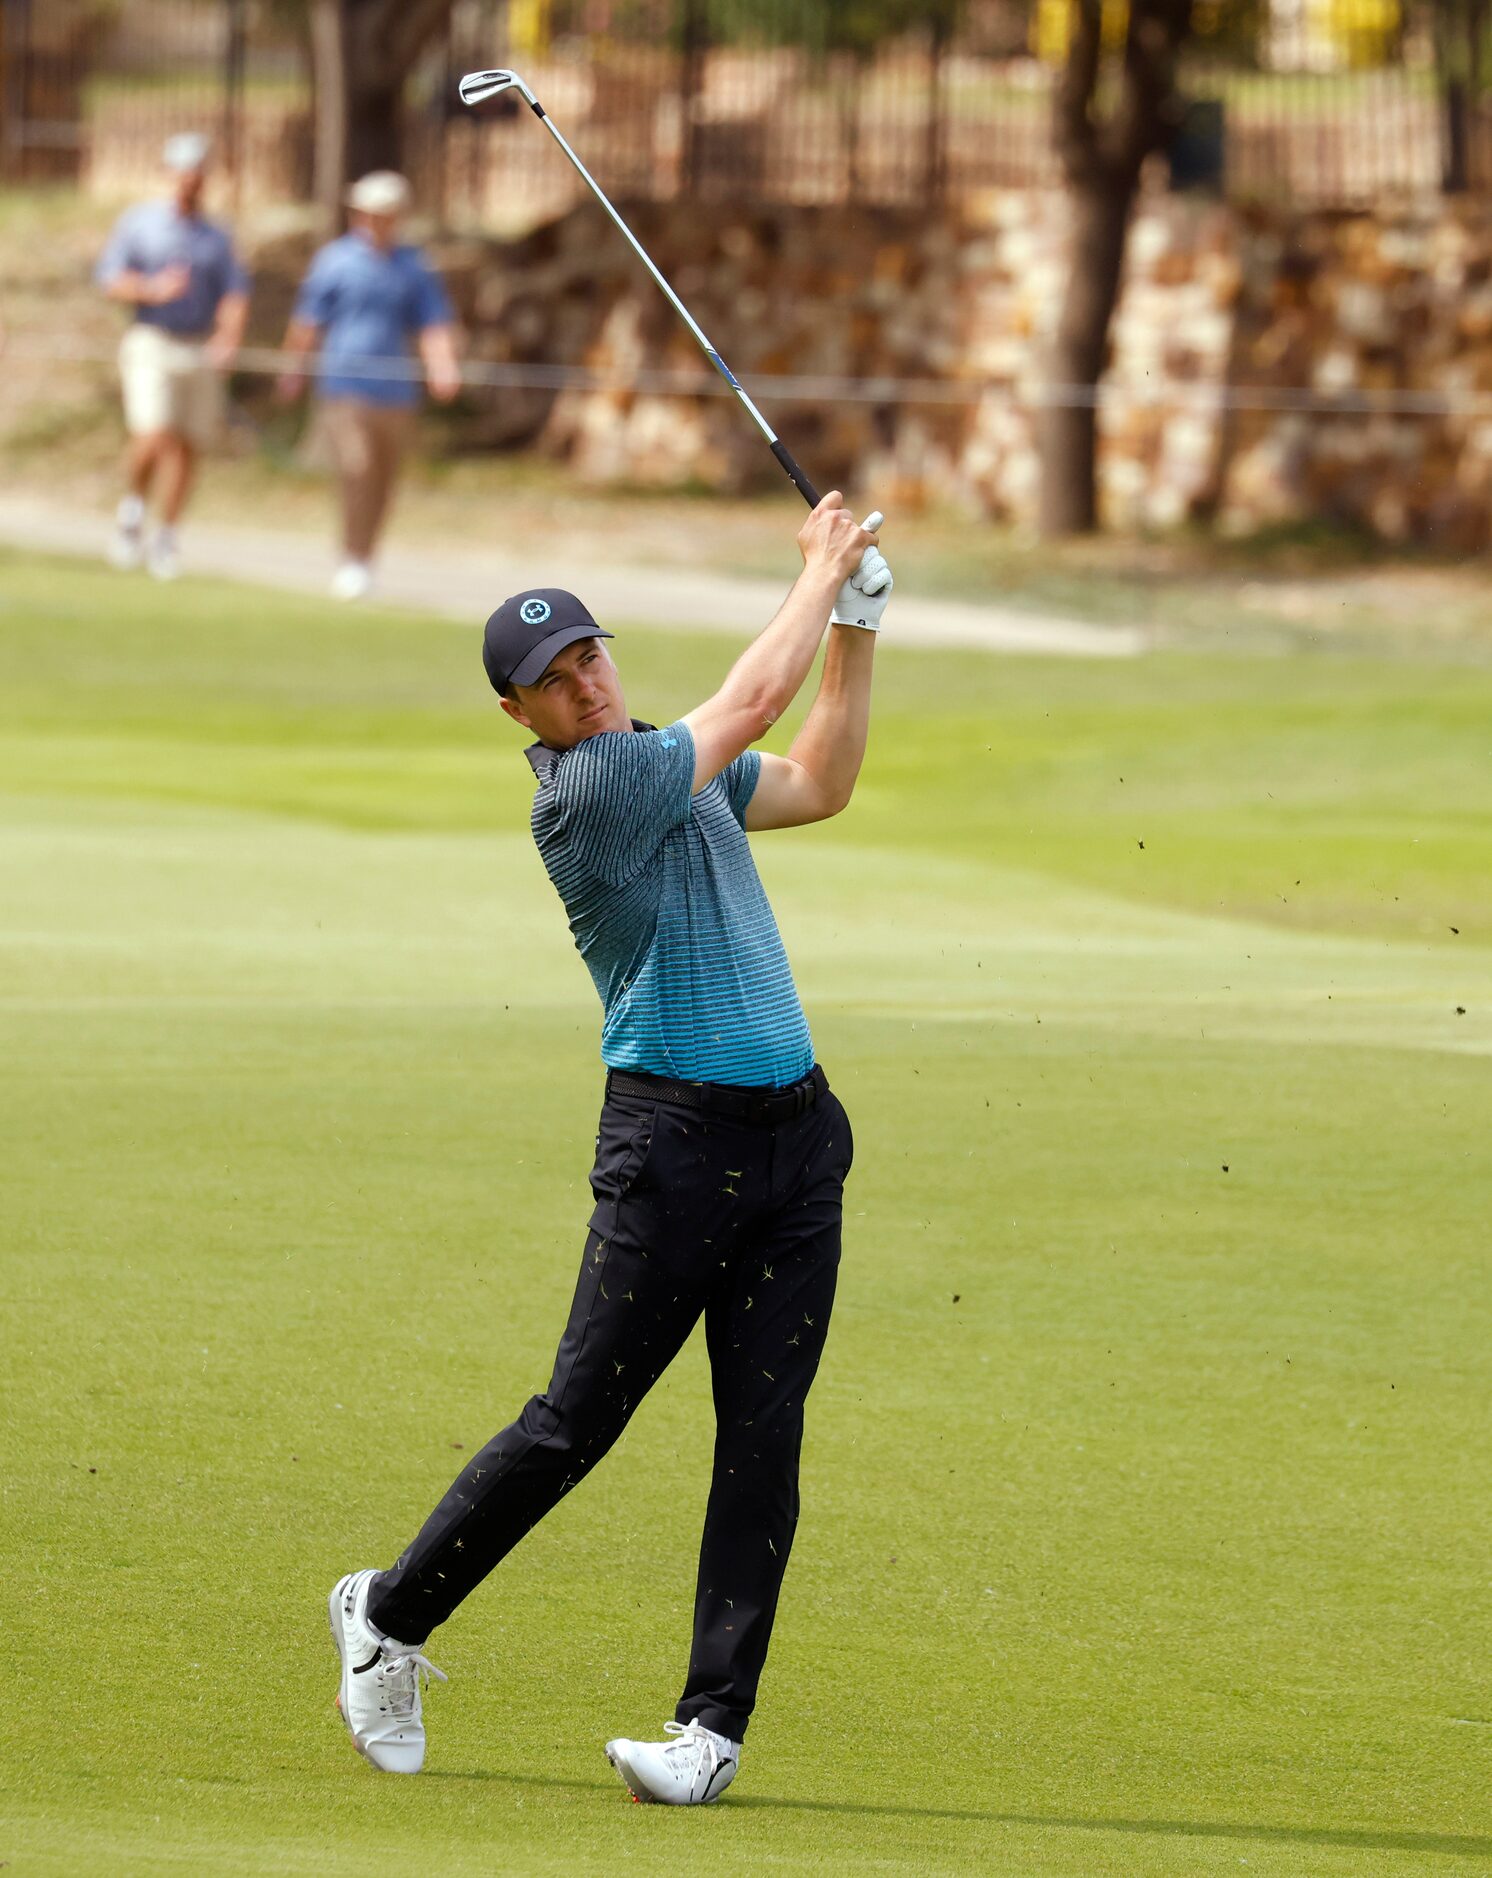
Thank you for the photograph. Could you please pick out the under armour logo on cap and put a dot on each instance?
(530, 629)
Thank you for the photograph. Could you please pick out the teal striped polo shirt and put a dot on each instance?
(668, 910)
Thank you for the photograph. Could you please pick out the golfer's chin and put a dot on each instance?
(594, 725)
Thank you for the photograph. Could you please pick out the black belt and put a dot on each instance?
(763, 1107)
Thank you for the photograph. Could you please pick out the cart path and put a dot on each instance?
(465, 584)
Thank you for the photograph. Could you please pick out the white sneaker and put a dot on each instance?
(693, 1770)
(380, 1693)
(127, 548)
(162, 559)
(353, 580)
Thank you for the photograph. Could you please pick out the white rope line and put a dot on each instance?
(796, 388)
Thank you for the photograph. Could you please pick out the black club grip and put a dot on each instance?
(795, 475)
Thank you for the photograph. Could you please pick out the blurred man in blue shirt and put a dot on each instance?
(364, 299)
(190, 299)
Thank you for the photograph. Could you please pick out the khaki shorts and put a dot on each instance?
(169, 386)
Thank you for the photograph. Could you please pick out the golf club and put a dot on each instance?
(475, 89)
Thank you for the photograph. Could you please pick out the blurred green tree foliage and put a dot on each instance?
(826, 25)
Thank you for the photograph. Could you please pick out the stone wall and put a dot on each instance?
(1353, 307)
(1214, 302)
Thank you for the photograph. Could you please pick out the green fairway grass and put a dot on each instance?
(1148, 1480)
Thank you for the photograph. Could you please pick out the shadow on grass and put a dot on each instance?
(1445, 1844)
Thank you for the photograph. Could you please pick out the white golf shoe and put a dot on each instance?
(353, 580)
(380, 1693)
(694, 1769)
(163, 561)
(127, 546)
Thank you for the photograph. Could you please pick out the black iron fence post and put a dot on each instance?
(235, 49)
(693, 45)
(15, 50)
(1473, 20)
(934, 164)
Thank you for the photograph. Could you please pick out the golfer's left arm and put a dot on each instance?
(817, 776)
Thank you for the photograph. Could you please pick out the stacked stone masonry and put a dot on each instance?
(1224, 319)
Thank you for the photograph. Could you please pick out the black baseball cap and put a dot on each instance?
(527, 630)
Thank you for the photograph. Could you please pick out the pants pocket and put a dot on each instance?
(623, 1143)
(844, 1134)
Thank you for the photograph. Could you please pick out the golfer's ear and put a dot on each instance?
(515, 710)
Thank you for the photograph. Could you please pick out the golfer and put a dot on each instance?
(190, 300)
(366, 295)
(721, 1154)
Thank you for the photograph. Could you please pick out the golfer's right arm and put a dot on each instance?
(768, 675)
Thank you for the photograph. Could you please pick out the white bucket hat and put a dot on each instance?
(381, 192)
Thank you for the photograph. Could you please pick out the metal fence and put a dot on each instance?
(89, 89)
(1312, 102)
(1318, 102)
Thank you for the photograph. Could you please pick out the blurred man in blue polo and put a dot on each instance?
(189, 297)
(364, 299)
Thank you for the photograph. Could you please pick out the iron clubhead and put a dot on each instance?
(477, 87)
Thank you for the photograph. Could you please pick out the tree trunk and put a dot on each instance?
(1102, 153)
(375, 139)
(1068, 426)
(361, 53)
(329, 69)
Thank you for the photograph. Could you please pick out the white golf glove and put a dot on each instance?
(862, 599)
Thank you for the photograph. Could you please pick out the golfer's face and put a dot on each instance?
(579, 696)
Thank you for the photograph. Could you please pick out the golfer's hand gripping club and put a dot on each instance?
(861, 600)
(476, 88)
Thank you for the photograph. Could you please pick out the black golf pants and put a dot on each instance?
(694, 1214)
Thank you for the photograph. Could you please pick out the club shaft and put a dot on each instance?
(780, 450)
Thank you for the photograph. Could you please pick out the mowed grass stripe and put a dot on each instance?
(376, 915)
(1319, 791)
